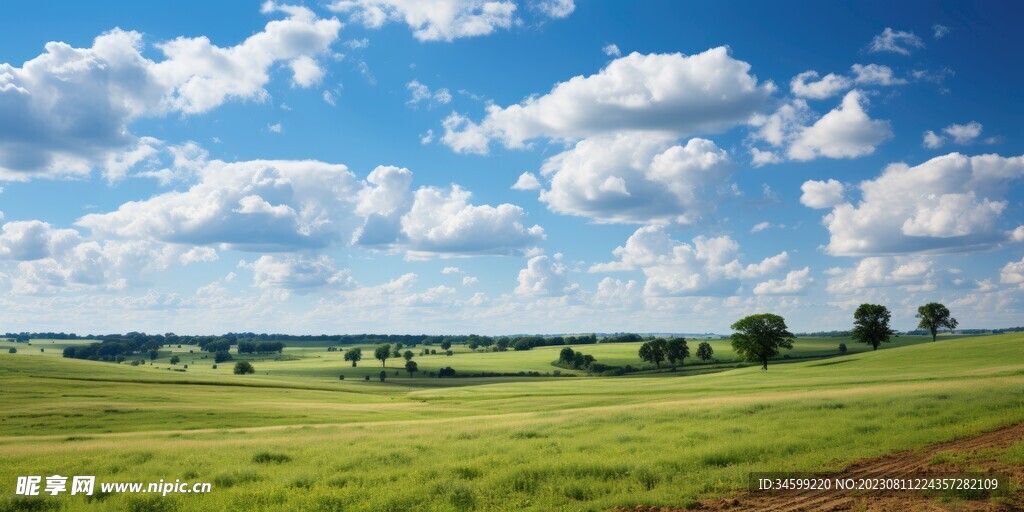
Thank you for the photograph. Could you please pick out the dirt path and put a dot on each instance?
(981, 453)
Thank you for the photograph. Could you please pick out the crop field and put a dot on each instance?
(294, 436)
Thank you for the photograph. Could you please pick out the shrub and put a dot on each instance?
(842, 348)
(341, 377)
(447, 371)
(12, 350)
(214, 367)
(268, 457)
(366, 378)
(244, 367)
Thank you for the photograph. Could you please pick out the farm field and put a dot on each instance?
(294, 436)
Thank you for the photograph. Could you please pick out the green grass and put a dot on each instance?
(294, 437)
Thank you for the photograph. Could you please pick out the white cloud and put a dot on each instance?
(299, 273)
(895, 41)
(544, 276)
(875, 74)
(763, 226)
(422, 93)
(612, 50)
(951, 203)
(708, 266)
(451, 270)
(68, 110)
(633, 178)
(940, 31)
(329, 98)
(964, 133)
(275, 128)
(759, 157)
(427, 138)
(659, 94)
(617, 293)
(306, 72)
(432, 20)
(1013, 273)
(821, 194)
(932, 140)
(828, 86)
(470, 281)
(555, 8)
(527, 181)
(795, 283)
(909, 272)
(845, 132)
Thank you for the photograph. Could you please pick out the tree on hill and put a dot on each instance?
(653, 351)
(473, 344)
(445, 345)
(407, 355)
(566, 355)
(676, 350)
(935, 316)
(222, 356)
(760, 337)
(411, 367)
(243, 368)
(871, 325)
(175, 359)
(705, 352)
(354, 355)
(382, 353)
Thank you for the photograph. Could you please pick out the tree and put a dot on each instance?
(382, 353)
(383, 375)
(935, 316)
(705, 352)
(871, 325)
(653, 351)
(447, 371)
(354, 355)
(566, 355)
(446, 344)
(175, 359)
(760, 337)
(244, 367)
(473, 344)
(220, 357)
(12, 350)
(153, 354)
(676, 350)
(842, 348)
(411, 367)
(407, 355)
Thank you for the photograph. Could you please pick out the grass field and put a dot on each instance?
(529, 443)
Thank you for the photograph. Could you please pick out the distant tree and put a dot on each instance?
(935, 316)
(501, 344)
(842, 348)
(354, 354)
(12, 350)
(653, 351)
(383, 375)
(447, 371)
(446, 344)
(760, 337)
(871, 325)
(676, 350)
(408, 355)
(473, 344)
(566, 355)
(341, 377)
(222, 356)
(243, 368)
(411, 367)
(399, 346)
(366, 377)
(448, 352)
(705, 352)
(153, 354)
(382, 353)
(175, 359)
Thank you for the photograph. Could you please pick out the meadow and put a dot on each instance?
(293, 436)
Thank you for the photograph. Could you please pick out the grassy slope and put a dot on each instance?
(557, 444)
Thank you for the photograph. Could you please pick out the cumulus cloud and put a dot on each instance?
(821, 194)
(845, 132)
(828, 86)
(435, 20)
(611, 50)
(544, 276)
(962, 134)
(895, 41)
(1013, 273)
(299, 273)
(875, 74)
(932, 140)
(633, 178)
(671, 95)
(951, 203)
(527, 181)
(795, 283)
(912, 273)
(69, 110)
(555, 8)
(707, 266)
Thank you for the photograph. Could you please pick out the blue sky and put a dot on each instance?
(540, 166)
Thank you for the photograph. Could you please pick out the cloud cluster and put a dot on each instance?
(544, 276)
(896, 41)
(951, 203)
(809, 85)
(705, 267)
(671, 95)
(633, 178)
(299, 273)
(68, 110)
(435, 20)
(962, 134)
